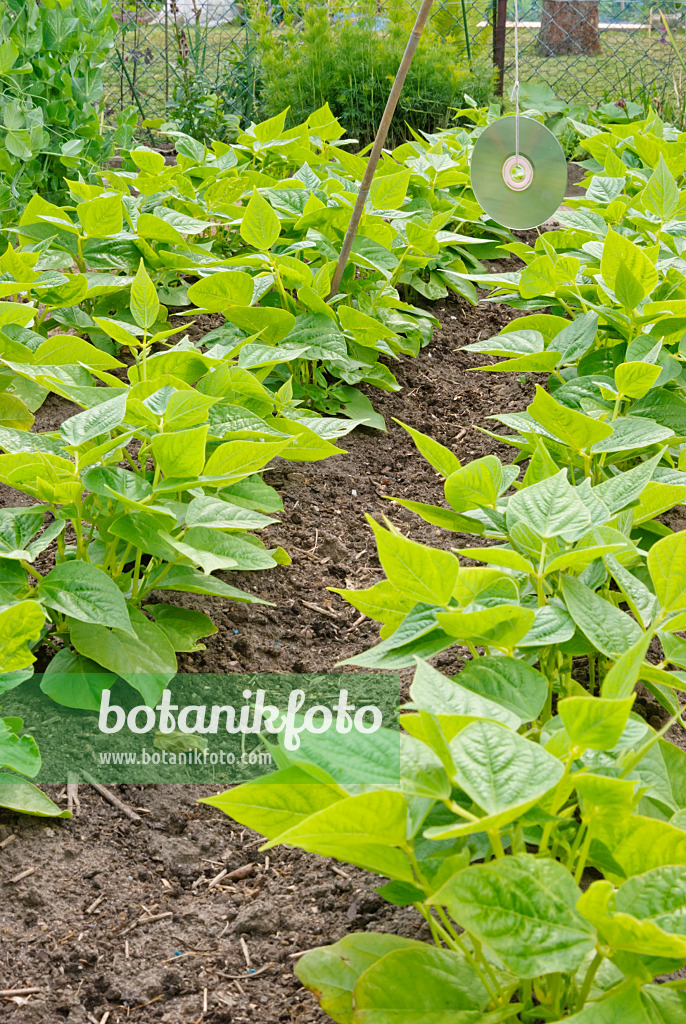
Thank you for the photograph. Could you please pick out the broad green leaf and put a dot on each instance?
(625, 488)
(92, 423)
(75, 681)
(101, 217)
(237, 459)
(573, 428)
(496, 555)
(14, 413)
(627, 270)
(86, 593)
(23, 798)
(508, 681)
(437, 455)
(388, 191)
(661, 194)
(624, 674)
(610, 630)
(365, 830)
(307, 445)
(667, 567)
(623, 931)
(147, 531)
(574, 340)
(332, 972)
(445, 989)
(145, 305)
(181, 454)
(260, 226)
(431, 691)
(211, 549)
(183, 626)
(223, 289)
(425, 574)
(640, 844)
(143, 657)
(20, 753)
(20, 627)
(595, 722)
(17, 527)
(278, 802)
(658, 896)
(501, 772)
(551, 508)
(524, 909)
(636, 379)
(475, 485)
(502, 626)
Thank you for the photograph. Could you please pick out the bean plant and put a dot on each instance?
(525, 809)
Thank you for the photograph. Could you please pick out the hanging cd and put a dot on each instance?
(518, 190)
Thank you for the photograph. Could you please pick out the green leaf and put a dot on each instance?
(237, 459)
(437, 455)
(508, 681)
(551, 508)
(445, 989)
(17, 527)
(260, 226)
(621, 930)
(278, 802)
(101, 217)
(595, 722)
(223, 289)
(332, 972)
(524, 910)
(20, 627)
(181, 454)
(426, 574)
(75, 681)
(143, 657)
(365, 830)
(145, 305)
(501, 772)
(667, 568)
(434, 692)
(475, 485)
(502, 626)
(86, 593)
(610, 630)
(14, 413)
(572, 428)
(388, 191)
(636, 379)
(661, 194)
(20, 753)
(23, 798)
(93, 422)
(182, 626)
(627, 270)
(211, 549)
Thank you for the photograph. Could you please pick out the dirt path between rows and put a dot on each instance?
(70, 891)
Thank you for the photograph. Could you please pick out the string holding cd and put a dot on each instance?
(518, 170)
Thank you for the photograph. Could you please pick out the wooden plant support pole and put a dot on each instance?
(379, 141)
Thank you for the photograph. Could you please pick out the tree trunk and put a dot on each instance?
(569, 26)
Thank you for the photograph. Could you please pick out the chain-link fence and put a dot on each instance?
(197, 60)
(594, 52)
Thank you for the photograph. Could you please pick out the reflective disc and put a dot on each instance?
(518, 191)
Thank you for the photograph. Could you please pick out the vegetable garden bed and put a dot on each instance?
(532, 811)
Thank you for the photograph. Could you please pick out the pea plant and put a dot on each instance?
(529, 814)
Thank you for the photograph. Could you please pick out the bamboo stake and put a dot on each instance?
(379, 141)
